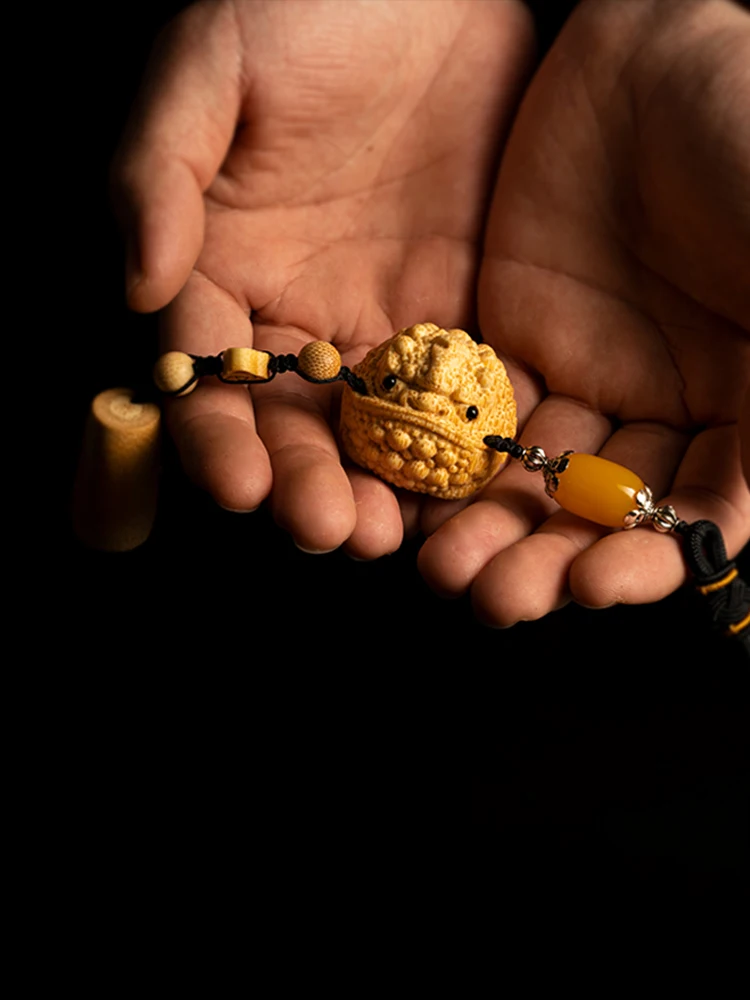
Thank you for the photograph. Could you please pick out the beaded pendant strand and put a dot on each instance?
(430, 410)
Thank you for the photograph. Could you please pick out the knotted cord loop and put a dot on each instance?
(717, 579)
(281, 363)
(503, 445)
(210, 365)
(353, 381)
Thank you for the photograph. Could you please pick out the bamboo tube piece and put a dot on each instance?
(242, 364)
(115, 493)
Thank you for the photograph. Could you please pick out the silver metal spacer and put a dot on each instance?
(553, 469)
(663, 518)
(534, 459)
(643, 512)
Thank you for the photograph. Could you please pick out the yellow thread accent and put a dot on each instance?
(711, 587)
(738, 626)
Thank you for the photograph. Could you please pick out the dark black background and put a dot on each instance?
(220, 683)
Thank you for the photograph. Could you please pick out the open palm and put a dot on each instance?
(615, 284)
(324, 168)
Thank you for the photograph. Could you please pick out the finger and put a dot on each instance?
(312, 497)
(214, 427)
(437, 512)
(531, 578)
(639, 566)
(379, 527)
(513, 504)
(178, 135)
(410, 505)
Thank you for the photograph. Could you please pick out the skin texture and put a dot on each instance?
(329, 167)
(615, 287)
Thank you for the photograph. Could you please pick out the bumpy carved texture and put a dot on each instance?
(432, 397)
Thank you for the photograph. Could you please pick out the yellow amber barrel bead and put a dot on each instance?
(597, 489)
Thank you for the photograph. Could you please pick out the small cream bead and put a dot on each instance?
(172, 371)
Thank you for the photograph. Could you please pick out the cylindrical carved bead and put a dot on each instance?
(244, 364)
(597, 489)
(173, 371)
(115, 493)
(319, 360)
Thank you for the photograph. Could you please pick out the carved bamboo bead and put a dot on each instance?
(244, 364)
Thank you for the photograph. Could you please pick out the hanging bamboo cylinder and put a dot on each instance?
(115, 493)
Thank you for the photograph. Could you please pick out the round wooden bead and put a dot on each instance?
(174, 370)
(319, 360)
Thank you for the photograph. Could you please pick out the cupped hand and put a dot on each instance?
(615, 284)
(311, 169)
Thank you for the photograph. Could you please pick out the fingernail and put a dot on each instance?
(239, 510)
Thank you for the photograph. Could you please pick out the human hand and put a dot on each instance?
(615, 286)
(325, 167)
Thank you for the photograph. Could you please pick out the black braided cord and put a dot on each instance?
(202, 366)
(279, 364)
(212, 364)
(717, 579)
(353, 381)
(505, 445)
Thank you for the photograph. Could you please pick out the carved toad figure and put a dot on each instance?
(432, 396)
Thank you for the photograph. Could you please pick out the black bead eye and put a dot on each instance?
(472, 413)
(388, 382)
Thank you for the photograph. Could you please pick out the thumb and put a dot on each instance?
(177, 136)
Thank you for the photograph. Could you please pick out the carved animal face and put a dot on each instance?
(432, 397)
